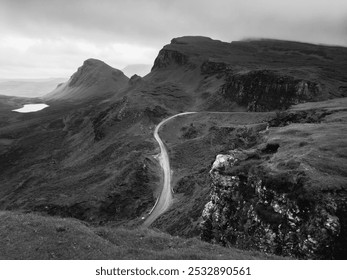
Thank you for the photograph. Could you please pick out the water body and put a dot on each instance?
(28, 108)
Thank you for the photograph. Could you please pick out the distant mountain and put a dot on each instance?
(137, 69)
(28, 87)
(93, 79)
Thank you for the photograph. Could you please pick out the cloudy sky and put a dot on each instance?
(51, 38)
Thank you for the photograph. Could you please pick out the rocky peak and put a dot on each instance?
(182, 51)
(92, 62)
(135, 79)
(94, 71)
(167, 57)
(93, 79)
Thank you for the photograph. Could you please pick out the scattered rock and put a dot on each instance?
(60, 229)
(268, 212)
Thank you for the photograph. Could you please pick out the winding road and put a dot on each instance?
(165, 199)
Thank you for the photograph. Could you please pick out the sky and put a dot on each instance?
(52, 38)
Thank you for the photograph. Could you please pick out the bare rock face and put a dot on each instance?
(264, 90)
(257, 75)
(169, 57)
(214, 67)
(268, 212)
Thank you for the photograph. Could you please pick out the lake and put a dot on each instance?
(28, 108)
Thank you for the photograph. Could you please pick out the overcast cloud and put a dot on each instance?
(51, 38)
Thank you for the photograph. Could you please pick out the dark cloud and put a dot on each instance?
(73, 28)
(148, 21)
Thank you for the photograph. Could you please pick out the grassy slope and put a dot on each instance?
(89, 163)
(84, 164)
(193, 142)
(94, 78)
(30, 236)
(318, 149)
(314, 145)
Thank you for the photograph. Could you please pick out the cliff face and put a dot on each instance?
(265, 90)
(259, 75)
(286, 193)
(166, 58)
(254, 209)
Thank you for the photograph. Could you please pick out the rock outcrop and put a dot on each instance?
(214, 67)
(135, 79)
(265, 90)
(169, 57)
(256, 209)
(257, 75)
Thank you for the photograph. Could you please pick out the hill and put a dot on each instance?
(274, 182)
(260, 75)
(56, 238)
(91, 155)
(94, 78)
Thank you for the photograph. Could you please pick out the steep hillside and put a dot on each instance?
(93, 79)
(92, 162)
(91, 154)
(273, 182)
(56, 238)
(260, 75)
(287, 195)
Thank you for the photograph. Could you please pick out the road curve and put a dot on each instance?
(165, 199)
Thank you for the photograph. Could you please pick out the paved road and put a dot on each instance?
(165, 199)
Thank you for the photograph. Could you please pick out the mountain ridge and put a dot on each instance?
(91, 155)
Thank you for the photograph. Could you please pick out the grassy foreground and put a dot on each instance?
(30, 236)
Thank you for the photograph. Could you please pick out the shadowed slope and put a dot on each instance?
(93, 79)
(252, 74)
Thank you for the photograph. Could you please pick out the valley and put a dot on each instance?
(165, 198)
(258, 169)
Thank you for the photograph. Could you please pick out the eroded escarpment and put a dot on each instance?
(169, 57)
(253, 206)
(265, 90)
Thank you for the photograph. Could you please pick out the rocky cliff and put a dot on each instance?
(271, 213)
(265, 90)
(259, 75)
(166, 58)
(280, 196)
